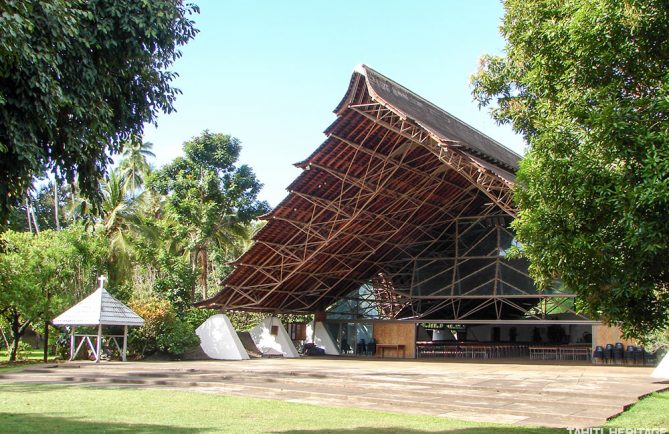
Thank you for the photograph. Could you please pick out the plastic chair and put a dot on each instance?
(608, 353)
(618, 353)
(598, 355)
(629, 355)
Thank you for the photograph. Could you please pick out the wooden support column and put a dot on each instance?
(72, 342)
(98, 344)
(125, 343)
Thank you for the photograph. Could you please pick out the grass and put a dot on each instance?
(650, 412)
(74, 409)
(34, 356)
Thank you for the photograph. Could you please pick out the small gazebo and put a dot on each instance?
(98, 309)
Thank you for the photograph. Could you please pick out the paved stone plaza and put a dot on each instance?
(565, 395)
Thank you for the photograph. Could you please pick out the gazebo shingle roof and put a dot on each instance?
(99, 308)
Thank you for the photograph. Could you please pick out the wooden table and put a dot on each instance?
(381, 349)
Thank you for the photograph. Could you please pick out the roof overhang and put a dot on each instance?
(394, 172)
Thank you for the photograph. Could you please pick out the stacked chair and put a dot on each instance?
(619, 355)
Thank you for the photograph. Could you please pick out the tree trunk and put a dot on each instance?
(30, 225)
(32, 213)
(55, 205)
(204, 272)
(46, 328)
(193, 264)
(4, 338)
(17, 331)
(46, 341)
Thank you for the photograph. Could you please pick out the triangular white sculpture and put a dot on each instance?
(270, 344)
(319, 336)
(661, 372)
(219, 340)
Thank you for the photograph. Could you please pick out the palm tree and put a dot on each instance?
(120, 218)
(134, 166)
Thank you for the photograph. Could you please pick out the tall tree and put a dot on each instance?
(208, 196)
(77, 79)
(587, 84)
(121, 219)
(135, 166)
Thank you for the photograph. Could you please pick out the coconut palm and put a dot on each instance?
(134, 166)
(120, 219)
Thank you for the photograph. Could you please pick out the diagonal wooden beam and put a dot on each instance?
(498, 189)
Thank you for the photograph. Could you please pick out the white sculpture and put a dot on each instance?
(219, 339)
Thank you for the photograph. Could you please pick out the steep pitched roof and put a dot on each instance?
(443, 125)
(393, 174)
(99, 308)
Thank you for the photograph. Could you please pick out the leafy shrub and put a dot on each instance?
(175, 281)
(196, 316)
(162, 332)
(23, 351)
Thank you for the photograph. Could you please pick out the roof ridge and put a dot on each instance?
(364, 69)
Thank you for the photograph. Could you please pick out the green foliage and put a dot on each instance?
(23, 351)
(153, 245)
(657, 340)
(162, 332)
(587, 84)
(41, 275)
(196, 316)
(77, 79)
(176, 281)
(135, 166)
(244, 321)
(210, 201)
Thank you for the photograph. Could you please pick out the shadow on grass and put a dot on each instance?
(389, 430)
(31, 423)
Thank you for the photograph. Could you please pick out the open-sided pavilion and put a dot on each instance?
(398, 230)
(100, 309)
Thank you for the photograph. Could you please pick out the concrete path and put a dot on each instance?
(529, 394)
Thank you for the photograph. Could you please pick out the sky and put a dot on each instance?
(271, 72)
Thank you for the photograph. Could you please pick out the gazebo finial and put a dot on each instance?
(102, 281)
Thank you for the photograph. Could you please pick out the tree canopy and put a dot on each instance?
(42, 274)
(587, 84)
(210, 199)
(77, 79)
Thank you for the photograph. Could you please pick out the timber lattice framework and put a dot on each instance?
(383, 193)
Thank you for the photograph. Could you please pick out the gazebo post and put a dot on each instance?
(97, 355)
(125, 342)
(72, 342)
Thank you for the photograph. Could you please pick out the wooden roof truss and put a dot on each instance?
(380, 196)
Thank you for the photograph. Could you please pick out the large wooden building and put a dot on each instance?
(399, 223)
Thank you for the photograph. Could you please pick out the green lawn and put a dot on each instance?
(49, 408)
(650, 412)
(35, 356)
(72, 409)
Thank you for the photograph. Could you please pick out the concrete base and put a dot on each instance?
(271, 338)
(219, 340)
